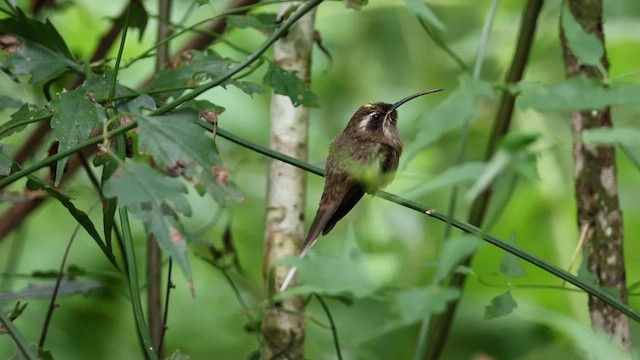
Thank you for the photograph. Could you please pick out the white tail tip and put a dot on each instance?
(288, 279)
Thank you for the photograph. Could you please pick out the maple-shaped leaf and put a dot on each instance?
(23, 117)
(193, 68)
(38, 61)
(74, 117)
(289, 84)
(155, 199)
(181, 148)
(39, 50)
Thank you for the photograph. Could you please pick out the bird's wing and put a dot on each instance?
(353, 195)
(327, 215)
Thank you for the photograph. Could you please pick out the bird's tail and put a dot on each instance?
(288, 278)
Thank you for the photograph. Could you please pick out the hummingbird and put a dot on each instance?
(362, 159)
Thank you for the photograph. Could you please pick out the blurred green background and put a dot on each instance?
(380, 53)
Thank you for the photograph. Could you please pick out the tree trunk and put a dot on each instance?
(599, 214)
(283, 325)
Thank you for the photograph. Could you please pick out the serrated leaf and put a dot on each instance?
(38, 32)
(465, 172)
(37, 60)
(98, 86)
(21, 118)
(45, 290)
(500, 305)
(6, 159)
(451, 113)
(455, 250)
(138, 17)
(181, 148)
(193, 68)
(612, 136)
(9, 102)
(587, 48)
(74, 117)
(205, 105)
(510, 264)
(33, 183)
(145, 192)
(426, 13)
(287, 83)
(262, 21)
(247, 87)
(412, 305)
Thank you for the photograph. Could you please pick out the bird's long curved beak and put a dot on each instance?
(411, 97)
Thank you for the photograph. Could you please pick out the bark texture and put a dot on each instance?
(596, 188)
(283, 325)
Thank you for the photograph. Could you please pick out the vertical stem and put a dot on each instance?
(154, 255)
(283, 325)
(440, 326)
(596, 188)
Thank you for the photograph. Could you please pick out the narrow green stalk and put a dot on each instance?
(114, 82)
(53, 158)
(334, 329)
(459, 224)
(134, 288)
(423, 336)
(18, 339)
(246, 62)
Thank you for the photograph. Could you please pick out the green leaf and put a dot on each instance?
(451, 113)
(262, 21)
(512, 154)
(45, 290)
(6, 159)
(500, 305)
(413, 305)
(247, 87)
(74, 117)
(21, 118)
(180, 147)
(465, 172)
(146, 192)
(578, 93)
(138, 17)
(426, 13)
(454, 251)
(510, 264)
(587, 48)
(194, 68)
(37, 60)
(33, 183)
(288, 83)
(35, 31)
(585, 275)
(629, 136)
(348, 274)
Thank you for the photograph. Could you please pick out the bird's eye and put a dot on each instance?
(376, 117)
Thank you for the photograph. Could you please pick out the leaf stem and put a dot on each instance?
(18, 339)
